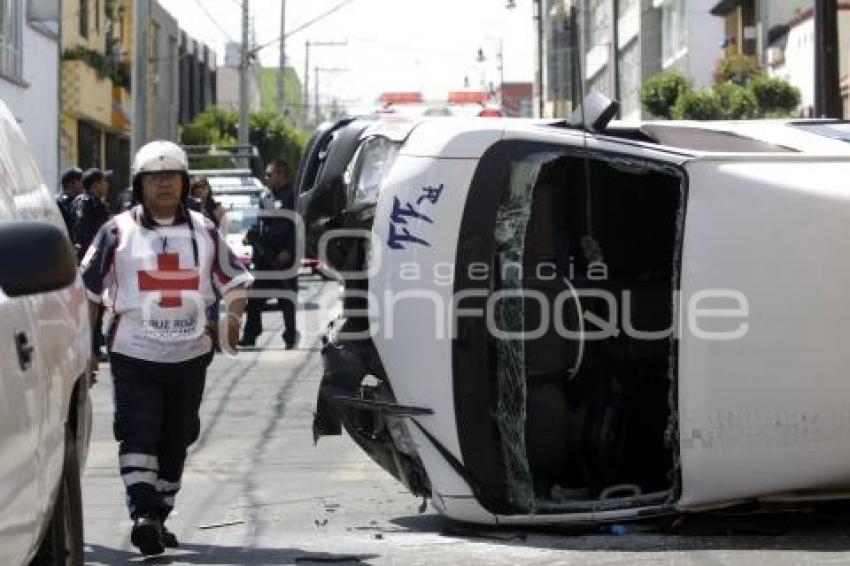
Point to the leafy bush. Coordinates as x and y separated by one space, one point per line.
268 131
215 125
660 92
698 105
775 97
737 69
736 102
276 139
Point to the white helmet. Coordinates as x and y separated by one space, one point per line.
159 156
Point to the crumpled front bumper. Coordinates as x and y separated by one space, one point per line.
355 394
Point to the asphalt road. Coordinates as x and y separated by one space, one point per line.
257 491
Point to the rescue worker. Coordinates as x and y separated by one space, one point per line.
90 208
160 265
72 186
273 240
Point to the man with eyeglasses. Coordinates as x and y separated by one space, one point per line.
273 240
159 267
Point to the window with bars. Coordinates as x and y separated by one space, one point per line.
11 43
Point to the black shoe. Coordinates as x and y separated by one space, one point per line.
248 341
290 342
147 535
169 539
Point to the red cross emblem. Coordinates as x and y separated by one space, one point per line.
170 280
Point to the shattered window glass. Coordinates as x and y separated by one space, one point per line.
511 224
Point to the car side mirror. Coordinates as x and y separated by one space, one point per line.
594 112
35 257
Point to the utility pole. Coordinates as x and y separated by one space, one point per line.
306 111
316 94
281 76
538 16
316 71
307 45
615 51
139 83
827 84
244 67
501 74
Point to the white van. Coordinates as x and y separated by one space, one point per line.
561 322
45 344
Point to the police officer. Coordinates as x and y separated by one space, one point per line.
72 186
90 208
273 240
161 265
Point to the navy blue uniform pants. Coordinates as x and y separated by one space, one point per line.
156 420
288 289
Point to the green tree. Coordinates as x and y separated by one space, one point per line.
775 98
268 131
741 91
736 102
276 139
737 69
660 92
698 105
212 126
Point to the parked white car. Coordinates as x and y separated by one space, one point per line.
554 323
45 412
241 207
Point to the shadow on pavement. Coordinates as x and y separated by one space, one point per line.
805 531
214 554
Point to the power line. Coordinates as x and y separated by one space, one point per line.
214 21
306 24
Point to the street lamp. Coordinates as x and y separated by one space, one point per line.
500 58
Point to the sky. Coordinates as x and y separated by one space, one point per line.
391 45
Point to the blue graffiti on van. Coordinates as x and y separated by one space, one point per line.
401 213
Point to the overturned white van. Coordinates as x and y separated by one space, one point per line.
552 324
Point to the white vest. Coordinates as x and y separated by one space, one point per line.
161 289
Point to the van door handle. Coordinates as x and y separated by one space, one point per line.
25 350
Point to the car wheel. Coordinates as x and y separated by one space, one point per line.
63 541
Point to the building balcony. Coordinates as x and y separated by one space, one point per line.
85 95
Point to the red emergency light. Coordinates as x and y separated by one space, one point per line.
490 113
401 98
468 96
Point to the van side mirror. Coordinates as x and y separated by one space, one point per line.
35 257
594 112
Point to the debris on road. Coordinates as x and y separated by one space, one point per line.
222 524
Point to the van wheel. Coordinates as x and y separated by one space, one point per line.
63 541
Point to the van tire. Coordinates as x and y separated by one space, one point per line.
63 541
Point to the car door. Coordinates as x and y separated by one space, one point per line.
27 463
21 411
